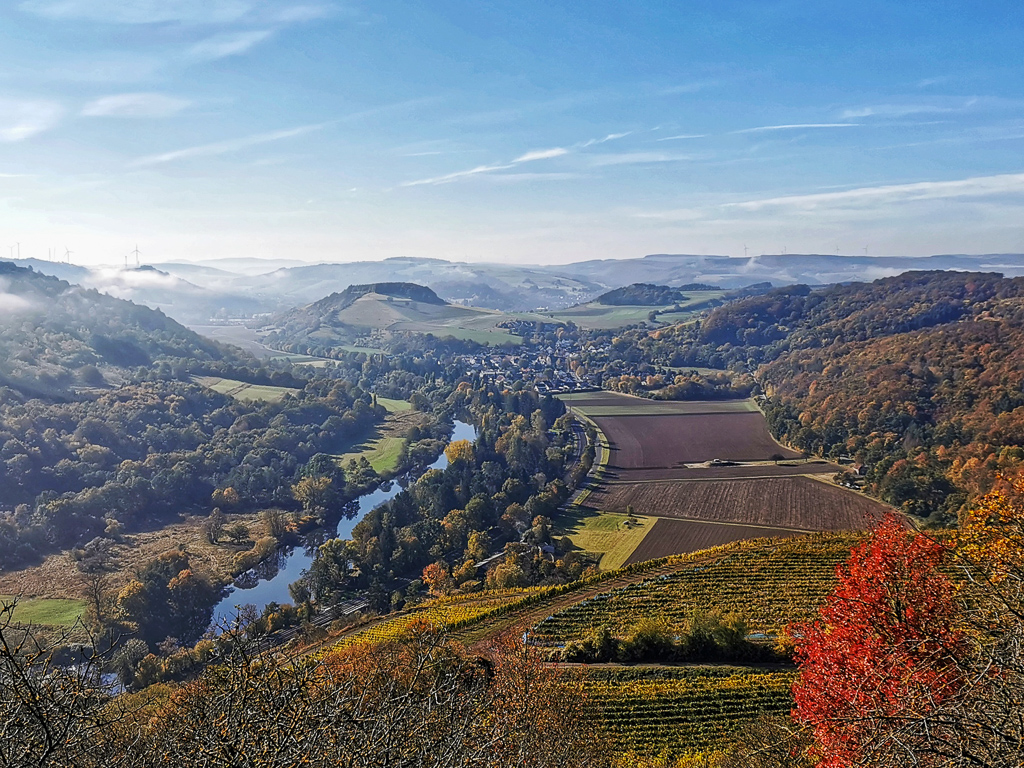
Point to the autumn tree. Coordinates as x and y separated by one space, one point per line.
459 451
906 665
438 578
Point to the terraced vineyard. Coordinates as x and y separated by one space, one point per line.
683 709
444 613
770 584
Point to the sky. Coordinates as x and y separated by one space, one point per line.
516 132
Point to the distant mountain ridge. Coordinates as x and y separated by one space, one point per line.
225 288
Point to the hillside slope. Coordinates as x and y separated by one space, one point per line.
58 337
919 377
378 311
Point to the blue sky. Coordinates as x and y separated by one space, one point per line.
535 132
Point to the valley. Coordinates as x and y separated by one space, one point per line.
650 504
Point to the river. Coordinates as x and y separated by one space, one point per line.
268 582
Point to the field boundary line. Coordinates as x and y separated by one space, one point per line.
733 523
715 479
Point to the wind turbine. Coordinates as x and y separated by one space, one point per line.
744 250
136 254
12 250
67 254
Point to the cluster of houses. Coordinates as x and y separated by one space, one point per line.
550 367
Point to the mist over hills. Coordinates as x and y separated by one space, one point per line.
220 289
59 337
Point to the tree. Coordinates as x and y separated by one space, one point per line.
421 700
886 656
459 451
213 527
238 532
316 495
438 579
274 523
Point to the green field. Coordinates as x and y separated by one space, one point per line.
594 316
50 612
442 320
381 452
394 406
606 534
244 391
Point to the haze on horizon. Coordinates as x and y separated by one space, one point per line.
529 132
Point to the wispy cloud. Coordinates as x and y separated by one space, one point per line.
142 11
450 177
794 127
860 200
225 147
300 13
514 178
692 87
135 105
892 110
541 154
684 136
609 137
227 44
634 158
978 186
20 120
528 157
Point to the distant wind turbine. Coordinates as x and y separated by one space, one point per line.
67 254
744 250
136 253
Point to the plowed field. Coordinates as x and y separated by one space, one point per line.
676 537
666 441
783 502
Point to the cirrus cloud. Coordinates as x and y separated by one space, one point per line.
228 44
20 119
142 11
135 105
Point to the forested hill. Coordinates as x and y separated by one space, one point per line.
858 311
642 294
57 337
343 299
920 377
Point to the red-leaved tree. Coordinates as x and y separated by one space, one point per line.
885 652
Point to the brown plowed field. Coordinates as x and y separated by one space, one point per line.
676 537
665 441
697 472
786 502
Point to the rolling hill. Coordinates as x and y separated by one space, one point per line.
378 311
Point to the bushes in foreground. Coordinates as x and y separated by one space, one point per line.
706 637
